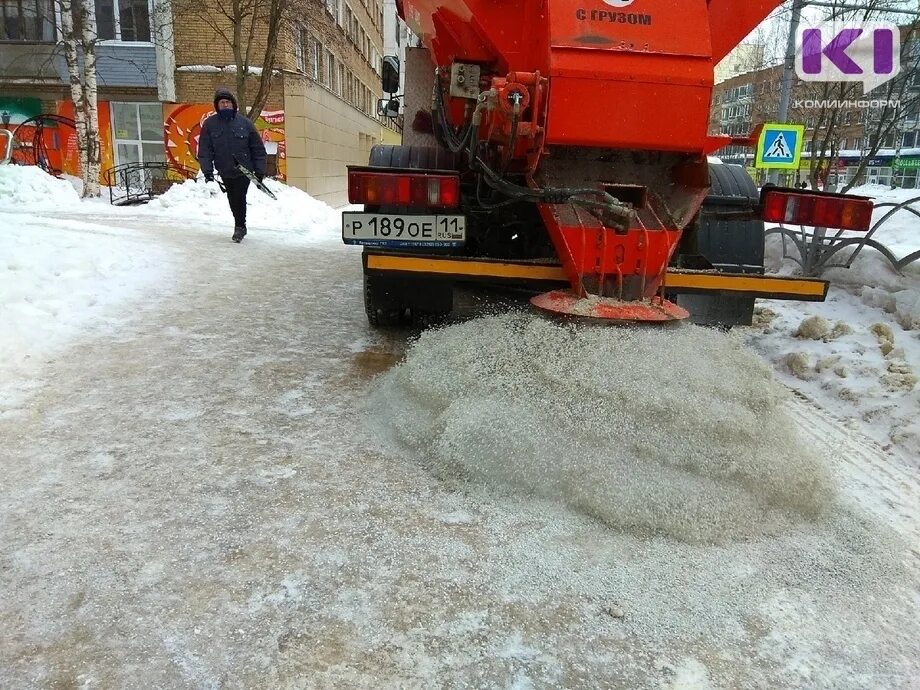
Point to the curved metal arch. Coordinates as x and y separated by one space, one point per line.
38 149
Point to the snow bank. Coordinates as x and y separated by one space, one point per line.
674 431
226 69
58 278
295 213
294 210
24 187
852 374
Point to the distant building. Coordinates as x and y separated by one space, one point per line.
745 100
746 57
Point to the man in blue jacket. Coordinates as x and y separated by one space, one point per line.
227 139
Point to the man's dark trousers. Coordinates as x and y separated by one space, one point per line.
236 194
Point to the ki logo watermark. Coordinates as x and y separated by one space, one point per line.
869 52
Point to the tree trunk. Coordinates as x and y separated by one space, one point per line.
76 84
238 55
276 12
90 101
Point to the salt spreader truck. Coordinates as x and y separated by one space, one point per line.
562 146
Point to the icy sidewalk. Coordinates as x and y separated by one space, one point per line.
61 278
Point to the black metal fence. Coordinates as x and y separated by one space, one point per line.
138 183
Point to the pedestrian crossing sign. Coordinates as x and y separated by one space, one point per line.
780 146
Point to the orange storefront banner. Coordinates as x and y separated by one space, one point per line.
182 127
66 154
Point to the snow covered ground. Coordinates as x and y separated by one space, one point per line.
60 277
858 353
63 272
204 484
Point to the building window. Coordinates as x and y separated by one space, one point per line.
340 85
908 178
300 50
138 129
26 20
330 70
908 140
123 20
317 59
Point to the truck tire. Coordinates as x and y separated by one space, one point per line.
411 157
382 308
735 246
392 302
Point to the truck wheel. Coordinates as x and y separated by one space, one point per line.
412 157
394 302
380 303
735 246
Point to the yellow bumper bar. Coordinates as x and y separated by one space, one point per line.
737 284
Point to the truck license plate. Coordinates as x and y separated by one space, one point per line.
388 230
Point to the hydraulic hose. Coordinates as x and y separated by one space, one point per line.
617 212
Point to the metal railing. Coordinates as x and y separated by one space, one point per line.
138 183
816 247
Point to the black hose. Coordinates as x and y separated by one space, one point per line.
469 138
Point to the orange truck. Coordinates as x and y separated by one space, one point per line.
562 146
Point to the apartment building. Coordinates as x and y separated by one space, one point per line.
331 87
320 115
135 76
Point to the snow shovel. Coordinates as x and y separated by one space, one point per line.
255 180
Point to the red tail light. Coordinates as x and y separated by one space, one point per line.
817 209
423 190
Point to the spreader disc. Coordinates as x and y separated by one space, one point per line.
608 308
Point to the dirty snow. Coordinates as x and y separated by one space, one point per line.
868 380
187 499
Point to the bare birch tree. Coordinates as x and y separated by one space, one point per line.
78 31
